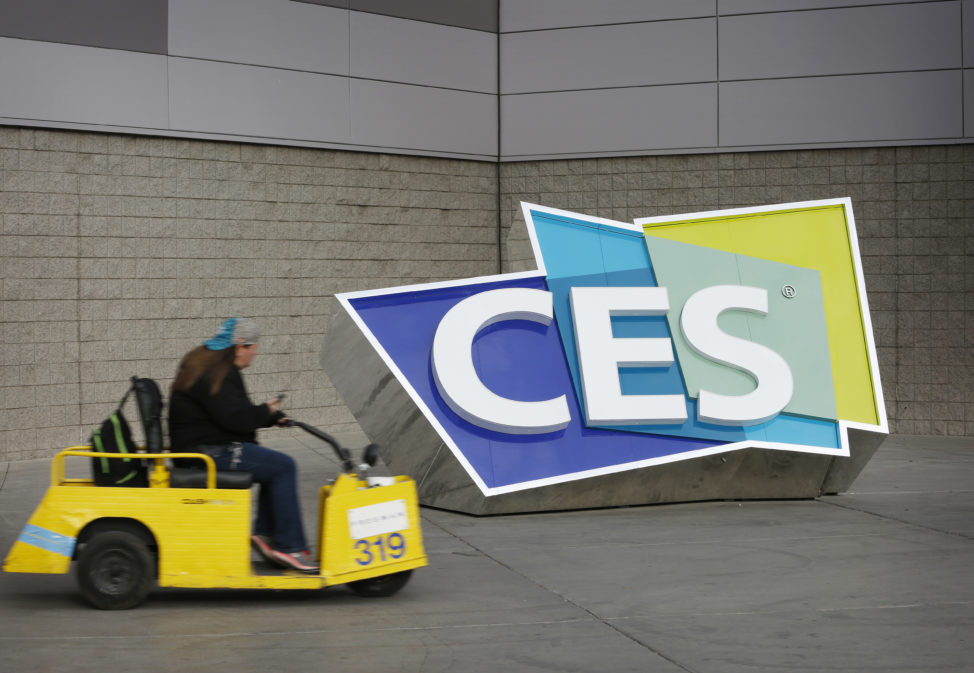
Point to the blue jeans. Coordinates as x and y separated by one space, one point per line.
278 510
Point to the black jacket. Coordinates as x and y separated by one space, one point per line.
197 418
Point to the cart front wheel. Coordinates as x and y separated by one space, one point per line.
382 586
115 571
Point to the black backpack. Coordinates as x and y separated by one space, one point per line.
115 436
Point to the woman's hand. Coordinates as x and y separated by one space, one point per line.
274 405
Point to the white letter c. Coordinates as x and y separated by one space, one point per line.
457 379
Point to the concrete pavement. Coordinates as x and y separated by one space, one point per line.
878 579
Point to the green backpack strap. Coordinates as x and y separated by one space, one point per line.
119 439
100 448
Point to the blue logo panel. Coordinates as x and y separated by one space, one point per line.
516 359
624 262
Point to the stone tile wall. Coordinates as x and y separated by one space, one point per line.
118 254
914 209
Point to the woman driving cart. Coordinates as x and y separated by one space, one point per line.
210 412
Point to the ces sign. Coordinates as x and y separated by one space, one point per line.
639 344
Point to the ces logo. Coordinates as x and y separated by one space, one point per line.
639 344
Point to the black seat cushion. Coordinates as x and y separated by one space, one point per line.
189 477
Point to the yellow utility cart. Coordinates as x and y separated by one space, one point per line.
123 540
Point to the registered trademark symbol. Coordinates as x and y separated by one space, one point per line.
789 291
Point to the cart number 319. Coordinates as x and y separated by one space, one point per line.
381 548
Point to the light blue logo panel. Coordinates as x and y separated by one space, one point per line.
621 259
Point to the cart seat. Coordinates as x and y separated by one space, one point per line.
190 477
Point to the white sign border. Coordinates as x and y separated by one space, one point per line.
636 227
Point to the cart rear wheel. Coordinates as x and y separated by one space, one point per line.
115 571
382 586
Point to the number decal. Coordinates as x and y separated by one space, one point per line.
366 557
397 545
381 548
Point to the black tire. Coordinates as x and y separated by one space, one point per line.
382 586
115 571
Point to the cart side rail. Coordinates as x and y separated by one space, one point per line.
58 471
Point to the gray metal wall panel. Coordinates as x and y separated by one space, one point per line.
343 4
475 14
668 66
113 24
968 10
544 14
638 54
843 41
727 7
969 103
261 32
861 108
392 116
399 50
613 120
83 85
211 97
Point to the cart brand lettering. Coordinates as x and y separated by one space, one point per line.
378 519
640 344
205 501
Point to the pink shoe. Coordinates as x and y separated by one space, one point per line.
298 560
262 545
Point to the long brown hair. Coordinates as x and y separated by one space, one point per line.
199 362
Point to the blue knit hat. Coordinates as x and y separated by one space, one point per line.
233 331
